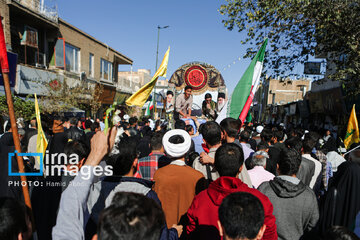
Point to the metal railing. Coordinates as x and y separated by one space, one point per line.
38 6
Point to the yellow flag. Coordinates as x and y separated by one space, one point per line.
139 98
352 132
41 142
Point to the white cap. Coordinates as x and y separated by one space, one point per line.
259 129
126 117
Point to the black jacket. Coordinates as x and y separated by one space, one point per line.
75 134
271 162
306 171
28 134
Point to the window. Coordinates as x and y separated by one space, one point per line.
106 70
59 60
91 65
72 58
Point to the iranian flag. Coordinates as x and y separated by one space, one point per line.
149 108
240 101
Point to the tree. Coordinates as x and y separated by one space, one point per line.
298 29
23 108
63 95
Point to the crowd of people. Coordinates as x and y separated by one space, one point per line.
211 181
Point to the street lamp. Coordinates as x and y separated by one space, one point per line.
157 48
157 54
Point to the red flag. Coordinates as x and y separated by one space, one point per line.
246 108
3 53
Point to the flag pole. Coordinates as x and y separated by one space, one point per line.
16 138
351 150
5 73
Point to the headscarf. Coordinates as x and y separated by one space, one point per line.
176 150
342 202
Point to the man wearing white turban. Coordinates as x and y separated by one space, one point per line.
177 184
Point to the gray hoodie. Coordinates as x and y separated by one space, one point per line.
295 206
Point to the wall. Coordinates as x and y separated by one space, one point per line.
88 45
132 81
324 84
4 11
286 91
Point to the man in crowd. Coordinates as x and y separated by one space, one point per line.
279 136
74 133
124 165
209 107
256 135
211 133
230 127
73 208
87 125
176 184
131 216
295 205
307 167
148 165
203 212
241 217
79 125
258 174
30 132
133 126
15 220
183 104
102 124
267 136
354 156
244 139
308 145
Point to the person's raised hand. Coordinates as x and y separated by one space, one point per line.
101 144
112 137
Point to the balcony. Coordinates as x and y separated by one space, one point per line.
39 7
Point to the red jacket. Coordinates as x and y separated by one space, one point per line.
203 212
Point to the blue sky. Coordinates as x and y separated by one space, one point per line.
196 32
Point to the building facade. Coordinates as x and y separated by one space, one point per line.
277 99
282 91
131 81
49 48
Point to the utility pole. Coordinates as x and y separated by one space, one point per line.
157 54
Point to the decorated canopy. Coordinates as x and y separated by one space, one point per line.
201 77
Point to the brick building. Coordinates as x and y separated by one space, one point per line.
274 93
282 91
50 48
131 81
